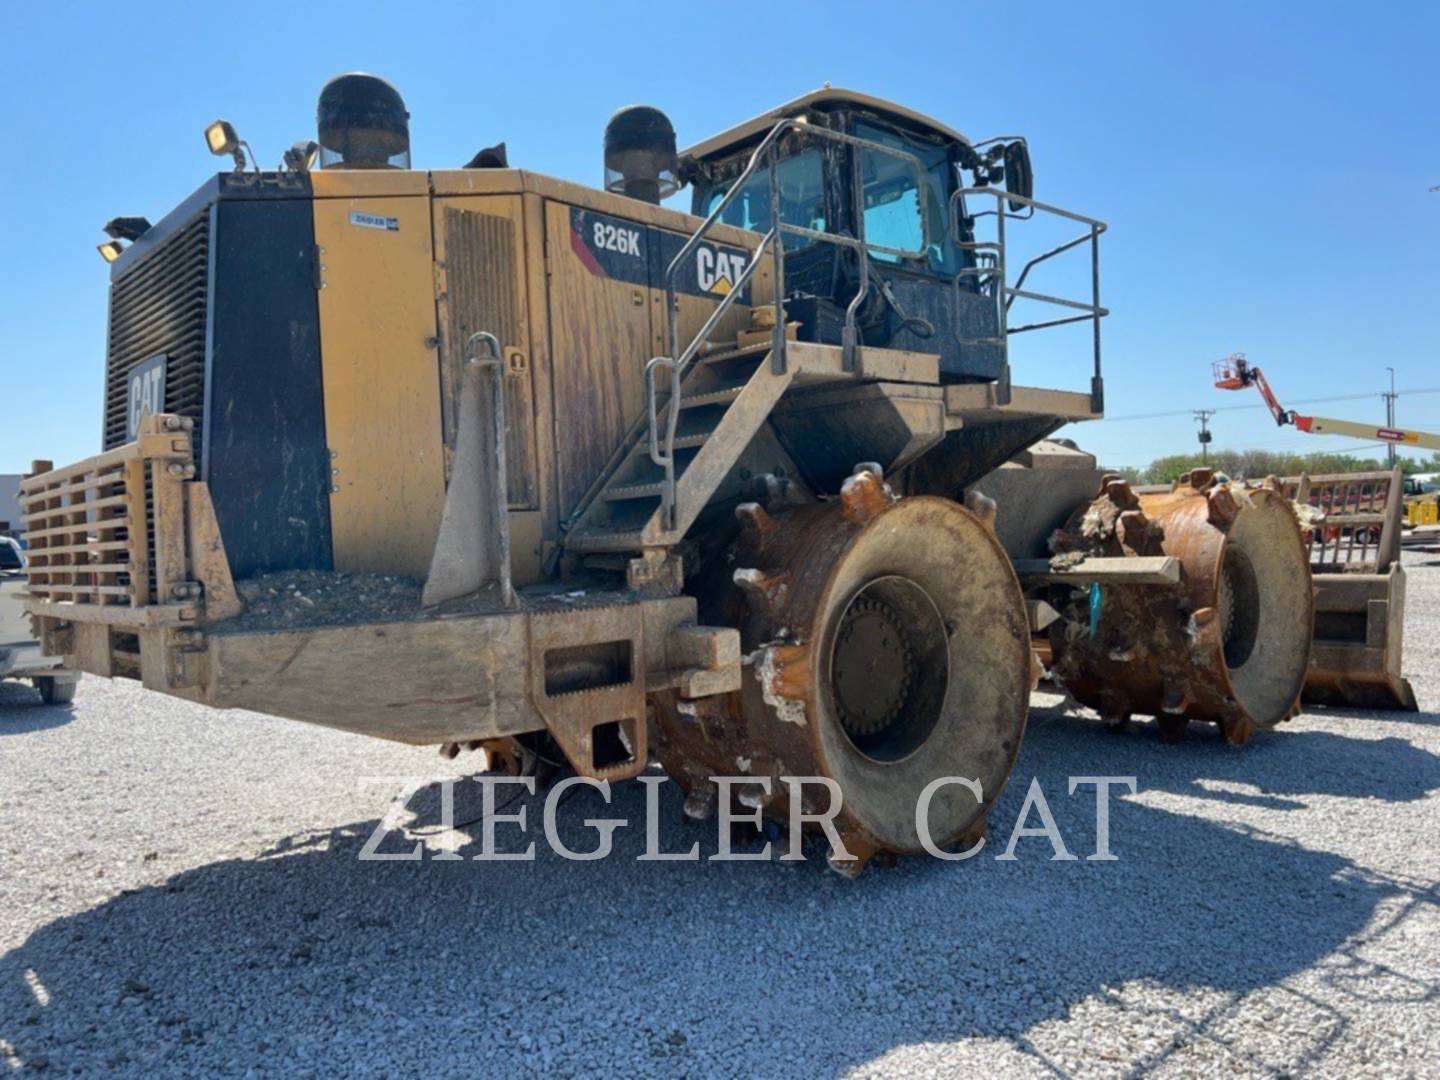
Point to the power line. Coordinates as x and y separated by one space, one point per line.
1243 408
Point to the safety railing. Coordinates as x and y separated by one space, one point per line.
109 532
990 270
767 153
1352 520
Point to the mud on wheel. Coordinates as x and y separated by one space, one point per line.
888 647
1229 644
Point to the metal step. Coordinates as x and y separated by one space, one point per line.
632 491
711 397
632 540
682 442
759 349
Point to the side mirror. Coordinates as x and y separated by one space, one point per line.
1019 179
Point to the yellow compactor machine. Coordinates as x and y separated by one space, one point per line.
481 458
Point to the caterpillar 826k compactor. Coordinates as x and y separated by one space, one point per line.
481 458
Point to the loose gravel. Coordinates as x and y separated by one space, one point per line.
180 896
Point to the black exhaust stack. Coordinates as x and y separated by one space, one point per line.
363 124
640 156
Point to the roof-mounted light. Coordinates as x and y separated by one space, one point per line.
220 137
127 228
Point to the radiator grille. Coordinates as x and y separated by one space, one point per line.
158 306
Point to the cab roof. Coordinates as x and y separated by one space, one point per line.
728 140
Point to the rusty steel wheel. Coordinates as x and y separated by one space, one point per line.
1231 644
888 647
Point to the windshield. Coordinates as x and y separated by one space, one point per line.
802 198
894 202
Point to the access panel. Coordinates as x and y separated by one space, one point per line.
382 381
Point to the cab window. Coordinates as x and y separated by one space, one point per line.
896 205
802 198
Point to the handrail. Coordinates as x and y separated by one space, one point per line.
678 362
676 366
1005 294
666 460
725 304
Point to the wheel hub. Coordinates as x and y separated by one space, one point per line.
874 667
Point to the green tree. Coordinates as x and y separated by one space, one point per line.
1258 464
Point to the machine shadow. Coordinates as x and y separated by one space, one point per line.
1376 717
1276 768
22 713
680 967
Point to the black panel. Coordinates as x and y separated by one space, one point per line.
711 271
266 458
247 186
932 298
627 251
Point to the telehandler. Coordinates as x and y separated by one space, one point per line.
485 459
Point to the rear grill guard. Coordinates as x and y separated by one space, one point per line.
160 306
127 536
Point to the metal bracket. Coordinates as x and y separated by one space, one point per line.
472 550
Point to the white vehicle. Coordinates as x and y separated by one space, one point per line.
20 656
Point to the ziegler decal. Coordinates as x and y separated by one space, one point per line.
374 221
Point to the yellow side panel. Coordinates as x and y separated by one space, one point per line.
367 183
480 248
382 382
600 331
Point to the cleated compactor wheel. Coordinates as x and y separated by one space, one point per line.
886 647
1230 644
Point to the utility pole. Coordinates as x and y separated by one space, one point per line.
1390 417
1202 417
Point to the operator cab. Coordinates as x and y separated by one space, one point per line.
916 261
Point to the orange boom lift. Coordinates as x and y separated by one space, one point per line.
1354 522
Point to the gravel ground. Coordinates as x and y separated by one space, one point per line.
180 896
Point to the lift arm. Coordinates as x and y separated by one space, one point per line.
1237 373
1324 425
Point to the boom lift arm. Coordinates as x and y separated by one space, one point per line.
1237 373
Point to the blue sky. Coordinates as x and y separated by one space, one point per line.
1265 168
